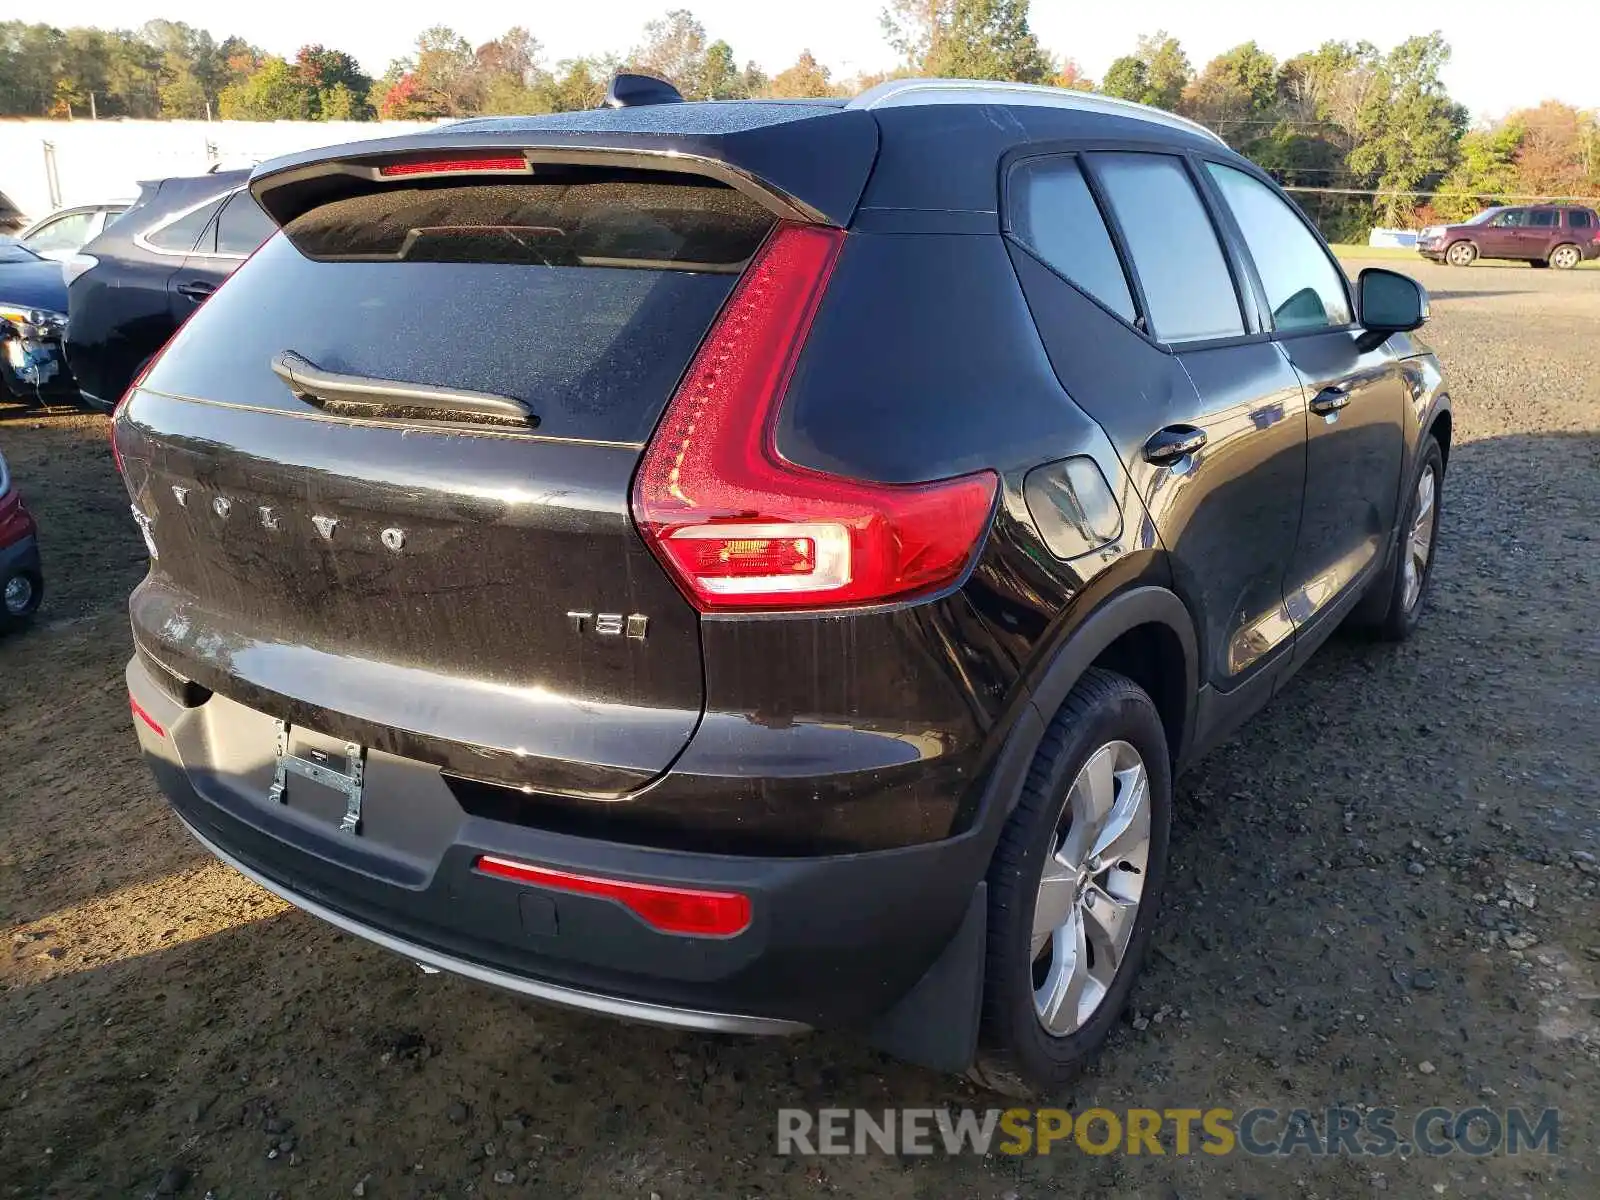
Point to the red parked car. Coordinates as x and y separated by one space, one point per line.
1542 235
21 584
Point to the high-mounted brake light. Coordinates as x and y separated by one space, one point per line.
477 164
669 909
739 527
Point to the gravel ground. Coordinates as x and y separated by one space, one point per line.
1383 892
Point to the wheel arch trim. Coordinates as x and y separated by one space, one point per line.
1439 411
1119 614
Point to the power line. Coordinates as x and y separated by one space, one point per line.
1546 197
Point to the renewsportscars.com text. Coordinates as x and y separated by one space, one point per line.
1263 1132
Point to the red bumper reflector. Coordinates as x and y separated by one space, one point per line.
139 712
669 909
446 166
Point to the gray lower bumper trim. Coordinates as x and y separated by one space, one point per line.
614 1006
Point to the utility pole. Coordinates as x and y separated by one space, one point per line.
93 115
208 109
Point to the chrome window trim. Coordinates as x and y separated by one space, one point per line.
141 239
899 93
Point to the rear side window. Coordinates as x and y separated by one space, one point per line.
1579 218
242 226
1174 247
182 234
64 233
1304 288
585 300
1543 218
1055 216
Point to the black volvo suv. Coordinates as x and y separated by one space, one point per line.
758 566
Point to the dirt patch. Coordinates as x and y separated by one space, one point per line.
1383 893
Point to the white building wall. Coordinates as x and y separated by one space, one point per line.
105 160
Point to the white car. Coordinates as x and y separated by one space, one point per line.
67 230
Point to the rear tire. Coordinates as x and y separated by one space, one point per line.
1461 254
1565 257
1051 999
1393 608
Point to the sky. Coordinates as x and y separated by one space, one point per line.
1499 63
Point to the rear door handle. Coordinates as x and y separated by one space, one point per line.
198 290
1329 400
1167 446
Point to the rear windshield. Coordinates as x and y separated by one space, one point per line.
584 298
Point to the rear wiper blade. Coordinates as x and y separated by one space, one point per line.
362 395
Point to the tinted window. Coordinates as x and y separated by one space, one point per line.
1054 214
1304 288
1544 218
585 304
567 221
1175 250
182 234
1579 219
64 233
242 226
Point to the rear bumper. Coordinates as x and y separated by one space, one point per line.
834 941
21 555
19 540
430 959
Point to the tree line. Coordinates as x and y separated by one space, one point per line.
1363 135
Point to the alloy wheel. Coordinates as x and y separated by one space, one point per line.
1419 539
1089 893
1461 254
1565 258
18 594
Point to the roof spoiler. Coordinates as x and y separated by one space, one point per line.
803 164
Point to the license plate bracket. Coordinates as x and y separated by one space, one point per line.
347 782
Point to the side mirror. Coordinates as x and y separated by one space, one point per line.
1390 302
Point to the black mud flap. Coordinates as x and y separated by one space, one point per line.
935 1024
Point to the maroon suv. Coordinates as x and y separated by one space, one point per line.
1543 235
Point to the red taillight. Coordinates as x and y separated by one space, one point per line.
482 164
739 527
138 711
669 909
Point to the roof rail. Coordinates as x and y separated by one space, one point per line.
896 93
